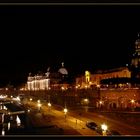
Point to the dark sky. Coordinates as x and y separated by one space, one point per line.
84 37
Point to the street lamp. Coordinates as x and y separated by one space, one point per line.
65 112
100 103
39 106
104 129
49 105
38 101
132 104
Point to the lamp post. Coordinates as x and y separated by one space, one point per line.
132 104
100 103
104 129
39 106
65 112
49 106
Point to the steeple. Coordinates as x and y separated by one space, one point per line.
62 64
48 69
135 62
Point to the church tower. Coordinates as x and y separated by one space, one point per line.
135 62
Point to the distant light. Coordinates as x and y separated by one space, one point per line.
62 88
98 86
5 107
31 99
9 125
104 127
49 104
39 105
86 86
100 102
38 101
126 65
132 101
3 132
18 99
65 110
18 121
86 100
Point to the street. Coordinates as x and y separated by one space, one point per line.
75 121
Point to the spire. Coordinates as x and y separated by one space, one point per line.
62 64
48 69
138 34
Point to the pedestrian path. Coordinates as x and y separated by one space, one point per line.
70 125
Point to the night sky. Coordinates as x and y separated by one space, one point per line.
84 38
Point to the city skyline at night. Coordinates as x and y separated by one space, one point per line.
70 70
83 38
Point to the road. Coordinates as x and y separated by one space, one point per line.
77 122
56 117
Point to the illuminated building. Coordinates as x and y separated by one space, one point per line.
135 62
87 76
48 80
95 79
38 82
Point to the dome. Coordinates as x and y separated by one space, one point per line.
63 71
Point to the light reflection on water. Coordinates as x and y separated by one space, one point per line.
3 132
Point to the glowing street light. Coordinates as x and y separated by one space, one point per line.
86 100
31 99
62 88
39 106
49 105
104 129
65 112
38 101
132 104
98 86
132 101
100 102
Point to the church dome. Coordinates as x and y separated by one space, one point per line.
63 70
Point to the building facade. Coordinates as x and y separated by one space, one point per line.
95 78
47 80
135 62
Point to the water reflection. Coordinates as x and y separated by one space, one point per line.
18 121
3 132
9 126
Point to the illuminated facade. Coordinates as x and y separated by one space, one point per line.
38 82
48 80
135 62
87 76
95 79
